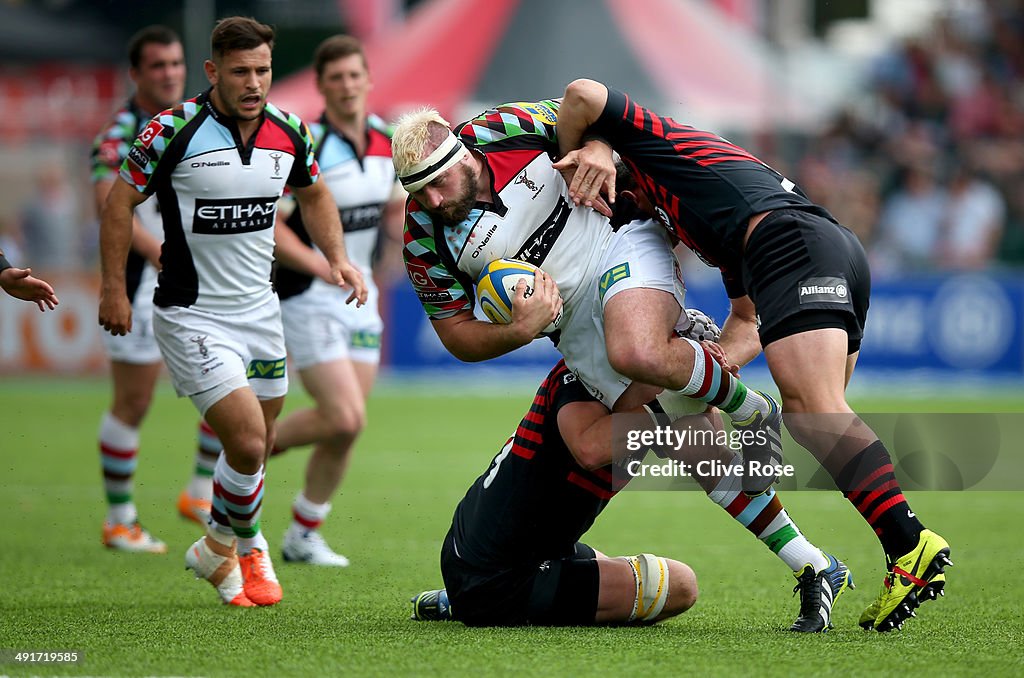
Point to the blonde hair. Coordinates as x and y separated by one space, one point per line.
416 134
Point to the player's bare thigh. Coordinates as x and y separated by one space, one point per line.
339 394
811 370
638 325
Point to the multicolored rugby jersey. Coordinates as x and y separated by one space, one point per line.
109 150
530 218
361 186
218 198
704 188
534 500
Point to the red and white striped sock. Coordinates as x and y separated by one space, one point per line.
237 501
207 452
306 515
119 449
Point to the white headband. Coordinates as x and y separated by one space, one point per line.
444 157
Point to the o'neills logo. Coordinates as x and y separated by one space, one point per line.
224 216
483 243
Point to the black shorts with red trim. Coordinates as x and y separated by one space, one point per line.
805 272
560 591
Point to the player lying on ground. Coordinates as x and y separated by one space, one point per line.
513 556
799 284
488 191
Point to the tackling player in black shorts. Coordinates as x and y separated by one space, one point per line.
799 284
513 556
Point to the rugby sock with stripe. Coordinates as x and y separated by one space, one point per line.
306 515
119 449
714 386
869 482
237 501
207 452
765 518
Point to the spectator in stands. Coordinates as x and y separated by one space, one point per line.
910 219
974 221
49 221
953 99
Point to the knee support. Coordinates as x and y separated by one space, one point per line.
651 576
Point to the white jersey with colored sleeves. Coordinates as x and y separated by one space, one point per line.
531 217
109 149
218 199
361 187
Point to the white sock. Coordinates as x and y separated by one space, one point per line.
311 513
250 543
119 436
125 514
799 552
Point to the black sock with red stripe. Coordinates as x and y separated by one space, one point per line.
869 483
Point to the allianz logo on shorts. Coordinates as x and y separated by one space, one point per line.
828 289
228 216
266 369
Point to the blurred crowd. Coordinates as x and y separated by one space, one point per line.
927 165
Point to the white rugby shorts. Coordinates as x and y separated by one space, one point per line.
138 347
638 256
319 327
203 350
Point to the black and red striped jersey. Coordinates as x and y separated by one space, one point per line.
704 188
534 500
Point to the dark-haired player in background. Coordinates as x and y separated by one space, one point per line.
157 69
799 284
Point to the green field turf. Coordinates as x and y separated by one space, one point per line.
145 615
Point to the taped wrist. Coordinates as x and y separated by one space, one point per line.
651 576
4 264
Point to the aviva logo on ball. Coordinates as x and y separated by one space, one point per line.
496 288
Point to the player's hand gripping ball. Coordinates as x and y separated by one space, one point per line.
496 288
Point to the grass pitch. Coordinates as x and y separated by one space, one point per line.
144 615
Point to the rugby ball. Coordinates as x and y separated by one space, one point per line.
496 288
